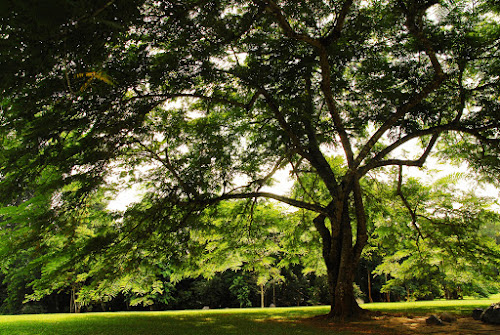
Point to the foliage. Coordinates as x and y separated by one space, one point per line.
440 244
69 256
89 265
242 291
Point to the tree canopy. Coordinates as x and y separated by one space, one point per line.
203 101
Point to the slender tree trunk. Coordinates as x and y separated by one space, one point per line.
57 304
71 301
388 293
262 302
74 306
370 299
274 294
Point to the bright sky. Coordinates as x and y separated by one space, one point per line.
284 184
128 196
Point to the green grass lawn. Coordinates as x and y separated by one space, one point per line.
275 321
220 322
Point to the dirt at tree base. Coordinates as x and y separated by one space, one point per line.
406 325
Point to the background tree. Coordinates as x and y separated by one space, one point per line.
206 94
442 246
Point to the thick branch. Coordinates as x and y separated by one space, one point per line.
324 62
276 11
361 232
376 162
332 106
411 24
403 140
476 133
284 124
430 131
494 84
439 78
292 202
326 237
339 25
317 160
402 162
435 131
252 101
396 116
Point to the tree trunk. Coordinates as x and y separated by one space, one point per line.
342 259
370 298
71 301
262 301
388 293
74 306
344 305
57 304
274 294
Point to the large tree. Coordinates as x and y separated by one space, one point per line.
211 98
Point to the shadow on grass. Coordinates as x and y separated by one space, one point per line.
459 307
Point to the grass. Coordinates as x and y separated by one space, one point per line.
276 321
223 322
